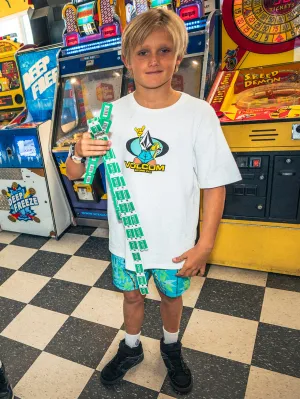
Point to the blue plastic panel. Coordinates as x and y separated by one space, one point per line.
98 61
196 43
88 214
20 148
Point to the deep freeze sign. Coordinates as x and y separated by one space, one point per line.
38 72
21 202
39 78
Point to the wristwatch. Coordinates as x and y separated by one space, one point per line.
74 157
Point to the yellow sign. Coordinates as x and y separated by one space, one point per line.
9 7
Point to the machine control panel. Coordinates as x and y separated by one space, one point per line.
248 162
254 171
269 189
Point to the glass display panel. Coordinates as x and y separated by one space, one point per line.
69 114
81 98
188 77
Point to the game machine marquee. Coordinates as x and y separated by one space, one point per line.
11 94
257 98
90 21
32 200
90 71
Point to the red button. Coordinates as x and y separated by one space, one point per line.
256 163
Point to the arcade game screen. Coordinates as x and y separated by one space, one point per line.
80 98
27 147
188 77
261 93
8 77
9 80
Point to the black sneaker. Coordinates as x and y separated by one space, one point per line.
125 359
6 391
179 373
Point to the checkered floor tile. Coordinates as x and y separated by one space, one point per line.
61 321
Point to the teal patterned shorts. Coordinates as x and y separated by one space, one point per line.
166 281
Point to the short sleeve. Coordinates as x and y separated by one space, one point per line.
214 163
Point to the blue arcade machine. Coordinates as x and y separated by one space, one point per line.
32 200
91 72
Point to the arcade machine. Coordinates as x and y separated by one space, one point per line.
257 98
11 94
91 72
31 198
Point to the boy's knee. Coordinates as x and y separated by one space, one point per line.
132 297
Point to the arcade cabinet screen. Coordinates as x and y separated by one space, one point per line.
9 79
6 116
85 14
81 98
188 77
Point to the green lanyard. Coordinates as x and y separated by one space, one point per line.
124 207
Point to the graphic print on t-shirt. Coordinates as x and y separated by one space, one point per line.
146 149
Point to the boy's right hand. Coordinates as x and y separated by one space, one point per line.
87 147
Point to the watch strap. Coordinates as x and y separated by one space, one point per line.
74 157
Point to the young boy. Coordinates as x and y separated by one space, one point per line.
169 145
5 387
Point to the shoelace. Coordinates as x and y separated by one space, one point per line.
178 364
120 356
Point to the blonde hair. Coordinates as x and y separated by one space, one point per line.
144 24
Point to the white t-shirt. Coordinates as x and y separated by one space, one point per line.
166 156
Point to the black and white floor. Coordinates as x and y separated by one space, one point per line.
61 321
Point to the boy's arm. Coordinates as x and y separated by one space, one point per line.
215 167
74 170
196 258
213 207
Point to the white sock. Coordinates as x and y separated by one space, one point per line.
170 338
132 340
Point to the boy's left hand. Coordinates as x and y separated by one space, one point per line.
195 261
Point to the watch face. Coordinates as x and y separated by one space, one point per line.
71 150
263 26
